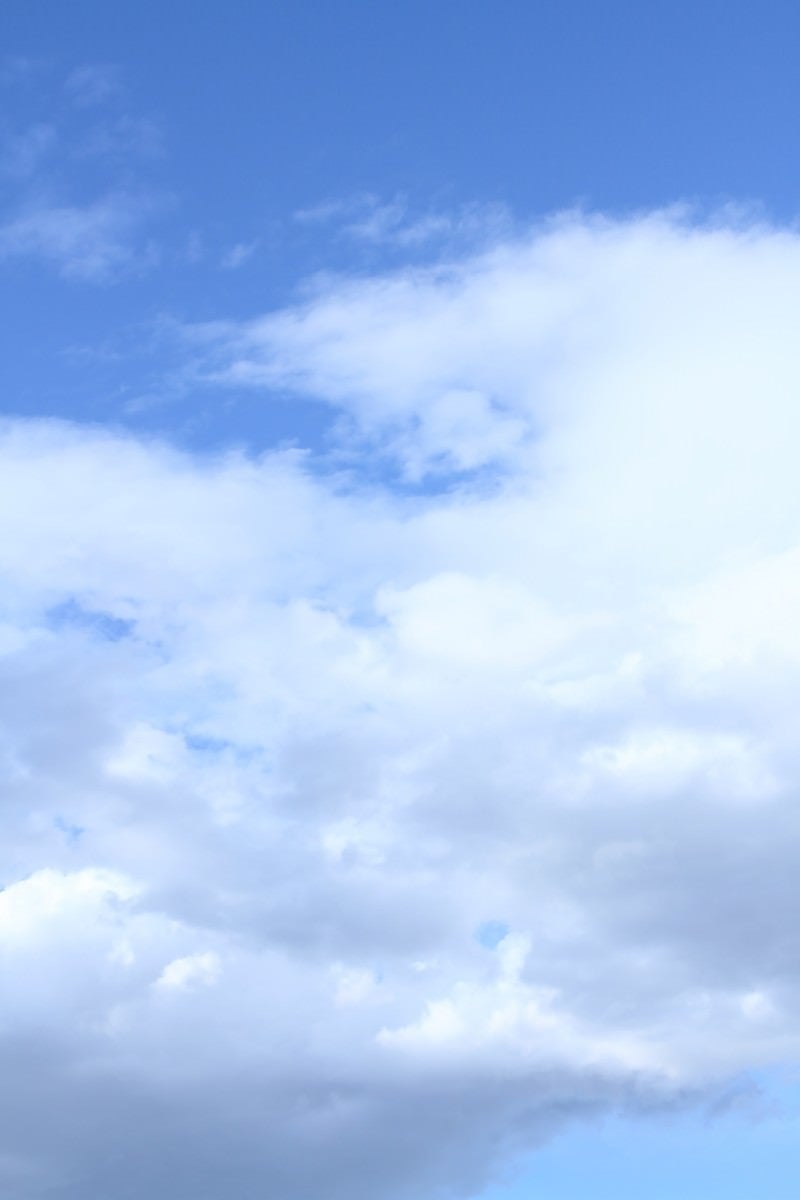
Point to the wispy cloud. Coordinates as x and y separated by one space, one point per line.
121 140
95 242
23 154
79 199
398 223
239 254
94 84
20 68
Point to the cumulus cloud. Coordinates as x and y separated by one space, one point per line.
281 745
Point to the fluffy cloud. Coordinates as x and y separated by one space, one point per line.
282 744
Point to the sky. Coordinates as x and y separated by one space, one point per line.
399 561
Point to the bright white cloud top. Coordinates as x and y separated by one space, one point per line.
358 835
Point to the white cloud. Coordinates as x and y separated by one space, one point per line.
193 970
554 334
278 745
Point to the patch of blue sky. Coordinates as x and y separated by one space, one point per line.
738 1152
214 746
206 744
105 626
491 933
71 831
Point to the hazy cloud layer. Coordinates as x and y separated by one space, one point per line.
356 838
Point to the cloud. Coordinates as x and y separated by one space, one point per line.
94 84
19 68
414 822
24 152
239 254
80 202
444 357
93 242
394 224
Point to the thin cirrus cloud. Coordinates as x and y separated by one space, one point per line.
95 242
254 841
101 234
393 224
94 84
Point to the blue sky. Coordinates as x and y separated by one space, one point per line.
400 553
